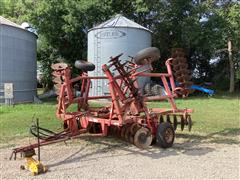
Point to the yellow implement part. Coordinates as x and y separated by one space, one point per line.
34 166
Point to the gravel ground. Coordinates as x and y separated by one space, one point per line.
101 158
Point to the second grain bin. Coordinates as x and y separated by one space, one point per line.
115 36
18 65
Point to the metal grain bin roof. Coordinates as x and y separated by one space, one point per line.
9 23
119 21
4 21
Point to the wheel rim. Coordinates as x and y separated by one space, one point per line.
142 138
169 135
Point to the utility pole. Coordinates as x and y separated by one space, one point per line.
231 66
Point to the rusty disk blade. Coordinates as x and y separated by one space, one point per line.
175 123
127 133
182 123
180 79
181 59
131 139
183 65
143 138
118 132
110 130
134 127
175 62
168 119
186 77
182 72
115 130
176 67
123 131
189 123
161 119
59 66
178 52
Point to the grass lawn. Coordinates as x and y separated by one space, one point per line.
218 115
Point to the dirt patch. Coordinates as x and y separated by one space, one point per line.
98 158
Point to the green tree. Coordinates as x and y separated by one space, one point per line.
200 27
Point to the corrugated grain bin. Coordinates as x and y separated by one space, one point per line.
115 36
17 61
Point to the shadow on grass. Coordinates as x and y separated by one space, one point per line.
190 147
226 136
50 101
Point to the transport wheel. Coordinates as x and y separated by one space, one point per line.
84 65
165 135
157 90
143 138
147 56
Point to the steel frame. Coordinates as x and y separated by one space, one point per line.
128 105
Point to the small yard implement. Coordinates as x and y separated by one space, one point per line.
127 115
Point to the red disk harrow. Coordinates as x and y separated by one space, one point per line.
127 115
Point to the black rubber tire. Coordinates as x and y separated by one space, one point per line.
162 129
151 53
84 65
147 89
157 90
